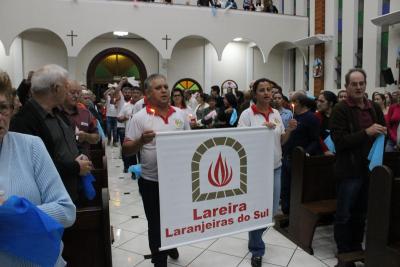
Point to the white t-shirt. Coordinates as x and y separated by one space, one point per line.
249 118
111 109
139 105
144 120
126 111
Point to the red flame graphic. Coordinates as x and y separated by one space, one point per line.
222 176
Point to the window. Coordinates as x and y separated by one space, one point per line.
188 84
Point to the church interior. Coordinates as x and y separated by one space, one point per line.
308 46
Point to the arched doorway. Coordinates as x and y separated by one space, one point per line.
110 65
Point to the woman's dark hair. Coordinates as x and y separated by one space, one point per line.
382 97
261 80
330 97
216 89
231 98
390 97
180 91
204 96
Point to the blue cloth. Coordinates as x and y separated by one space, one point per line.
233 118
29 233
87 186
376 153
329 144
136 169
286 116
213 11
100 130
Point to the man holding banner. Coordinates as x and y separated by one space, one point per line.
355 124
158 116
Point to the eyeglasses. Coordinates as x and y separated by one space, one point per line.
177 96
5 109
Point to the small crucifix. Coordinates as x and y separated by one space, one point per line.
72 35
166 39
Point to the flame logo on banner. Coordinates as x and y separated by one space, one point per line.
222 176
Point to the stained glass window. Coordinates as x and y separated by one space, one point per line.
188 84
229 86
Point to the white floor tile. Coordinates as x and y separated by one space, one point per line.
204 244
116 219
302 259
186 255
129 210
214 259
247 263
135 225
273 237
276 255
139 245
123 258
121 236
231 246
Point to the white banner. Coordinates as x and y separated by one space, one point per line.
214 183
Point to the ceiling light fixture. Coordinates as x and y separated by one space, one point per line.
238 39
119 33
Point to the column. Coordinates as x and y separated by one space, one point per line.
371 44
349 39
249 65
299 69
394 43
209 52
331 28
289 7
71 63
162 66
301 7
311 48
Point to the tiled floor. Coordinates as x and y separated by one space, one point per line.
131 241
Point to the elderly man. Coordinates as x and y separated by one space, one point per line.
81 119
140 137
41 117
355 123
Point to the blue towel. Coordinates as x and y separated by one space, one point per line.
28 233
100 130
136 169
376 153
234 117
329 143
87 186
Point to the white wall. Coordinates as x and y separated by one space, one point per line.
187 61
12 64
273 69
143 49
40 48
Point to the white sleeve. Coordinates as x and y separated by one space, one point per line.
135 128
244 120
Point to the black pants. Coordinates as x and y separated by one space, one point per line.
151 203
286 180
352 201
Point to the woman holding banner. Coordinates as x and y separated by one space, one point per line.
262 114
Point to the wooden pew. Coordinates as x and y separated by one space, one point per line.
87 243
383 230
312 199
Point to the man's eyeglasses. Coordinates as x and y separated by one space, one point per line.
177 96
5 109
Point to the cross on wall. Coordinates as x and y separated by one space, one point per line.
72 35
166 39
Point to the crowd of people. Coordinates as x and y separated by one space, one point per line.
56 119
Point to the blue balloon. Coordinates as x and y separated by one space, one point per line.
376 153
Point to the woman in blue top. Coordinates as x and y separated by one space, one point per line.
26 170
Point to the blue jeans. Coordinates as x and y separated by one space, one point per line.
352 201
112 127
256 244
